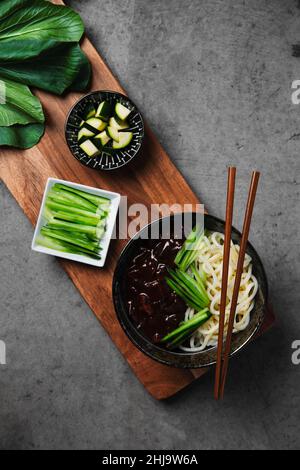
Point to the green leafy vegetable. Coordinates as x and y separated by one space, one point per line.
56 70
22 137
38 47
21 106
28 28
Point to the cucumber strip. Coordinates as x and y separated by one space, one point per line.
181 294
78 219
71 227
199 279
52 205
203 316
192 292
102 211
121 111
193 286
182 337
53 244
91 198
189 240
69 238
189 250
73 197
71 200
90 242
190 299
64 247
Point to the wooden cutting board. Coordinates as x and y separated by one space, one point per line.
152 179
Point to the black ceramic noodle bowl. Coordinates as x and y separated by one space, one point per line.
177 358
108 159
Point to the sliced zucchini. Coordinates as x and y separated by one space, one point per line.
81 123
97 124
124 139
89 112
84 132
89 148
103 138
104 111
117 124
113 133
121 111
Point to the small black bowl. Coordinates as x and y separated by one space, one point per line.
179 358
108 159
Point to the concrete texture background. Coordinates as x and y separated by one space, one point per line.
214 81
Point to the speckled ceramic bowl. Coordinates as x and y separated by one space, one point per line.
108 159
177 358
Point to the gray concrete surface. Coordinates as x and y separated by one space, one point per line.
214 81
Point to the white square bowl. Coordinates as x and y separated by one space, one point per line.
110 223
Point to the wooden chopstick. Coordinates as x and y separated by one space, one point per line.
226 255
239 271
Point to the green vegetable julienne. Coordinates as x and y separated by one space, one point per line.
71 221
185 329
189 251
38 47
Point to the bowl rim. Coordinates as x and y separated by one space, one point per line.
182 353
94 92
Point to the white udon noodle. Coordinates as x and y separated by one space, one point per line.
210 259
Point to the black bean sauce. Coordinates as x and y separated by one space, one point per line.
153 307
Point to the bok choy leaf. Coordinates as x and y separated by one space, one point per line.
20 106
30 27
38 47
56 70
22 137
